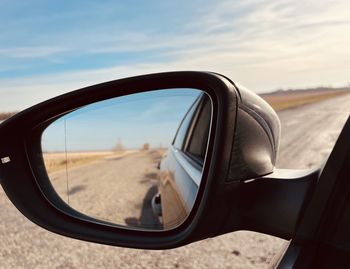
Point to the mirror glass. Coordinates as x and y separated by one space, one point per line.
135 160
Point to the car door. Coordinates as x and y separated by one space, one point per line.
181 168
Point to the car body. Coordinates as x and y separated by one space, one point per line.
181 167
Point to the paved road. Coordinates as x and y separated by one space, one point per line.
307 137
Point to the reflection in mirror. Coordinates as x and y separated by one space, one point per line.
135 160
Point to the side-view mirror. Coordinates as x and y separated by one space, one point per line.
154 161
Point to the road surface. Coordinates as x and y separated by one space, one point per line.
114 189
309 132
307 137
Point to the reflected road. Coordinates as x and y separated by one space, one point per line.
115 189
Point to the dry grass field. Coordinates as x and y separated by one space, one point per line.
58 161
291 99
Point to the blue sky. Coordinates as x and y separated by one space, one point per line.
133 120
48 48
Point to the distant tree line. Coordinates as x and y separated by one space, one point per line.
120 147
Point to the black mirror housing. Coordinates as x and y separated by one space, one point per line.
257 135
243 145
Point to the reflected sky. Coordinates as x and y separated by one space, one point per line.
131 121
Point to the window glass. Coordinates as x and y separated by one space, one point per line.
182 131
199 136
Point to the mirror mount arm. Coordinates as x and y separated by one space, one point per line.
272 204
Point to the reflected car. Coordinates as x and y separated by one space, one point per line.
182 165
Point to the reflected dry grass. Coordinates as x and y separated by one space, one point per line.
58 161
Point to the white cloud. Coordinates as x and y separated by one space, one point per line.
31 52
260 44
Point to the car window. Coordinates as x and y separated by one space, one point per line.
199 137
184 126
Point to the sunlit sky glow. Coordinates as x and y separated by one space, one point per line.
48 48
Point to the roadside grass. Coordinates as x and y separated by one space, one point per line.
295 99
